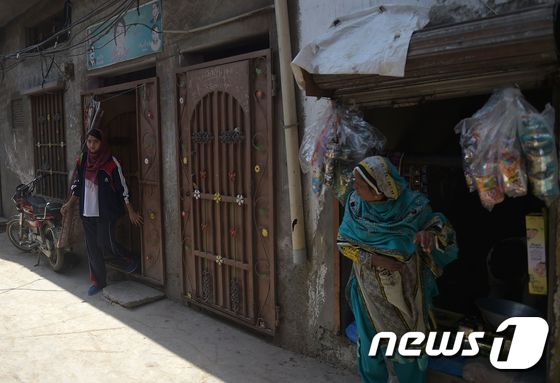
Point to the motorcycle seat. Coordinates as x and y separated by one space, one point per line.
39 204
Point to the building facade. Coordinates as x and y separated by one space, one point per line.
197 123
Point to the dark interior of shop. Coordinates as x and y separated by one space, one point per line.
119 122
421 139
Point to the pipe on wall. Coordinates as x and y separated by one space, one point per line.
291 133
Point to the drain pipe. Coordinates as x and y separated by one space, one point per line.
290 132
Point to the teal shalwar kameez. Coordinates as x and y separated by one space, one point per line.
384 300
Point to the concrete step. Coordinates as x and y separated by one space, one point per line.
131 294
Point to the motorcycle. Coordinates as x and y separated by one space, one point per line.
37 226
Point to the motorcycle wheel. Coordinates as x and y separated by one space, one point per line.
22 243
56 260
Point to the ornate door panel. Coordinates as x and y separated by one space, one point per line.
224 110
150 180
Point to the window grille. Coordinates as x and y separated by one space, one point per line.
49 144
45 29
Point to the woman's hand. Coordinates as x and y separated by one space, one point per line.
426 240
386 262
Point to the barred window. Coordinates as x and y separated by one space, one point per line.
49 144
46 28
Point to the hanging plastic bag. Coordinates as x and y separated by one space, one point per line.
536 133
334 144
315 140
492 156
357 139
511 167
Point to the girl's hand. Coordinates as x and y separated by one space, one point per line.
135 218
426 241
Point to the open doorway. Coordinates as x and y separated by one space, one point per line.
119 124
131 121
492 258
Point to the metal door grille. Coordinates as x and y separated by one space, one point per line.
227 189
49 143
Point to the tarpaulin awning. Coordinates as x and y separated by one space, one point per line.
462 59
373 41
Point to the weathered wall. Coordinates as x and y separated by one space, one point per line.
16 155
181 47
313 18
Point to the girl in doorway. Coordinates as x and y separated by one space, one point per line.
398 246
103 194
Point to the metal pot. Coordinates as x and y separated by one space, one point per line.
495 311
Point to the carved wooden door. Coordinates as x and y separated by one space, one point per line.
149 154
224 111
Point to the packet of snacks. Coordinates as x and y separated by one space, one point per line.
492 157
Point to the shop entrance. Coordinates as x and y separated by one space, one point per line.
492 244
131 121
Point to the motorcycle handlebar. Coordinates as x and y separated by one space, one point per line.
35 180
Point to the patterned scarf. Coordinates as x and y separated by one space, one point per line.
387 227
95 161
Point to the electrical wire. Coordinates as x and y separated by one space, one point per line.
99 33
108 15
34 50
87 17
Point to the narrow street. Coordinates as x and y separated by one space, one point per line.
51 331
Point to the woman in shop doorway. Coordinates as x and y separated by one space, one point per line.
399 246
103 194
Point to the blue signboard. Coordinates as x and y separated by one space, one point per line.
137 33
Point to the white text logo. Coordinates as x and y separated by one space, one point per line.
527 345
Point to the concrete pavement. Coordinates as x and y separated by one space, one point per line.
51 331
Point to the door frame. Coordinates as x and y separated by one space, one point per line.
133 86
